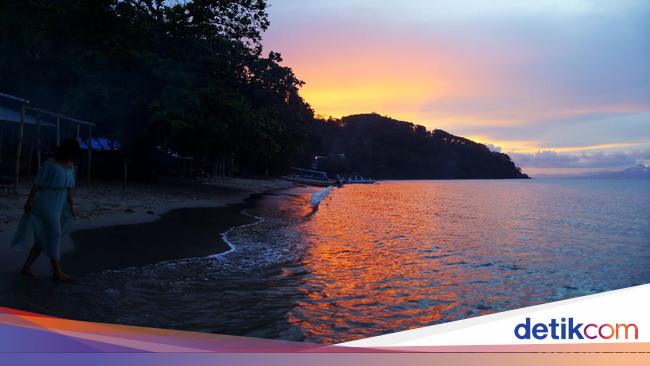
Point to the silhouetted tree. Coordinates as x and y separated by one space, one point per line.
187 75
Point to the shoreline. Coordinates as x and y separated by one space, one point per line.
108 236
224 235
177 233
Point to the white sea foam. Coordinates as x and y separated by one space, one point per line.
317 197
224 235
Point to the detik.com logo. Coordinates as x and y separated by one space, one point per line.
568 328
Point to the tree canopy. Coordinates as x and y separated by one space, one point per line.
189 76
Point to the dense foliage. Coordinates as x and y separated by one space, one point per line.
186 75
190 77
381 147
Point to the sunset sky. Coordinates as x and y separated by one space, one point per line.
562 86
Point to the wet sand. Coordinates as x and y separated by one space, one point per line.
179 233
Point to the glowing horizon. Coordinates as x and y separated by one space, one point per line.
568 77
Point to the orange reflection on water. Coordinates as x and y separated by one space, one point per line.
400 255
380 264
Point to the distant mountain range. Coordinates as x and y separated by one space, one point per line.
637 172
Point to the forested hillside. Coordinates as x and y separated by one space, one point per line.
383 147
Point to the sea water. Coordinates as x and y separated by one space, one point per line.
366 260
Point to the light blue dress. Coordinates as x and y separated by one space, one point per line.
50 217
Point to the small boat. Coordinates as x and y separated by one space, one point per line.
357 179
308 177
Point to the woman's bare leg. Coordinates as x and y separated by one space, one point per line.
27 267
57 273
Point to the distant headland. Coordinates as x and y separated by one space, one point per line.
385 148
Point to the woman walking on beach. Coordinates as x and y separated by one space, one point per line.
49 210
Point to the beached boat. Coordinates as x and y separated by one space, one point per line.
308 177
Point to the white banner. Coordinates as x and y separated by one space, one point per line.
610 317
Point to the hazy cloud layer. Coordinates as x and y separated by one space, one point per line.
596 160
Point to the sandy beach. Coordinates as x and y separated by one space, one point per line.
103 199
143 224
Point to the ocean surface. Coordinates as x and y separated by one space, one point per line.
364 260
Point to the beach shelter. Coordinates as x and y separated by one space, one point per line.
18 113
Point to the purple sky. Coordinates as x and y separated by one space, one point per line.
562 86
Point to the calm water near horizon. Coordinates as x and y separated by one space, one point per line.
375 259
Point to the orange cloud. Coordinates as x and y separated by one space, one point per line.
519 146
534 146
618 145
